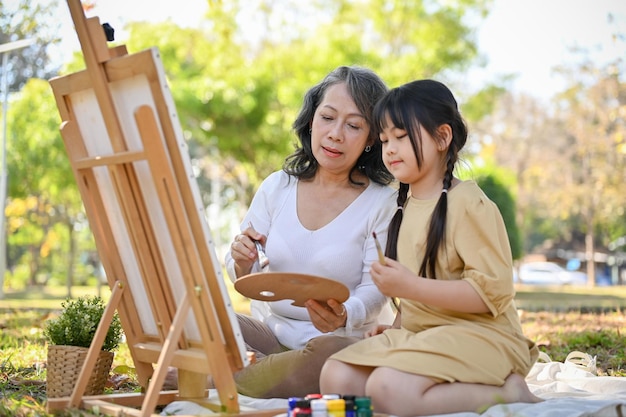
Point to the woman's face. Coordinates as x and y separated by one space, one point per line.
339 132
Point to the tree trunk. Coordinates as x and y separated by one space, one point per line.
71 257
590 255
33 264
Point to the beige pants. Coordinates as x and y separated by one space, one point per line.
280 372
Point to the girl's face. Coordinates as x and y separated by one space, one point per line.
339 132
400 160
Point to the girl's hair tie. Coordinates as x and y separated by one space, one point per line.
400 208
445 190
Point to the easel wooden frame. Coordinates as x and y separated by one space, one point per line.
123 138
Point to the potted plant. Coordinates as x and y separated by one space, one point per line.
69 336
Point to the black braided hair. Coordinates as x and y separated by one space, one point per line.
429 104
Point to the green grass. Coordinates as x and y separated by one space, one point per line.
47 298
559 320
531 298
23 355
571 298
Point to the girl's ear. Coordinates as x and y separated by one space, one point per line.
444 136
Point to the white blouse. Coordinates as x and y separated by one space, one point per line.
342 250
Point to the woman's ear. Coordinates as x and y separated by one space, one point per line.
444 136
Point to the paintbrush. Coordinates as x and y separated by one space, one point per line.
381 255
264 262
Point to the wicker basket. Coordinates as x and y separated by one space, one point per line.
64 366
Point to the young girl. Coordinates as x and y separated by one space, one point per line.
457 344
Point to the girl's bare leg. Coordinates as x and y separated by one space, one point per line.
341 378
402 394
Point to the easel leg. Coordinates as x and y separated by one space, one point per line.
96 345
165 358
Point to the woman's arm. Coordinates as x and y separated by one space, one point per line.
367 302
241 257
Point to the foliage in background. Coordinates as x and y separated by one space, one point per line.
44 211
238 90
32 21
593 113
569 163
237 93
78 322
497 191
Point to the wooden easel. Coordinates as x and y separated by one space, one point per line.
129 158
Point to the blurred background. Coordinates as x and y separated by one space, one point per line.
540 83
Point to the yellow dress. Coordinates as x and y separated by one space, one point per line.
447 345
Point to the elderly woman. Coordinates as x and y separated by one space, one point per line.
316 216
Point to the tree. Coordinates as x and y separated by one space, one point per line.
593 113
237 95
570 164
521 136
24 19
44 208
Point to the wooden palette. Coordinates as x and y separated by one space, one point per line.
274 286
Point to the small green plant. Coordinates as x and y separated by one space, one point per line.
77 324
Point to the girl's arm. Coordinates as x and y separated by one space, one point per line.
485 285
456 295
395 280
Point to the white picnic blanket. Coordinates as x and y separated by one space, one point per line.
569 390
